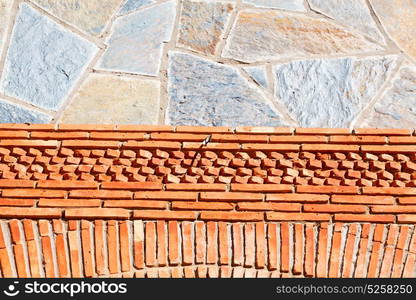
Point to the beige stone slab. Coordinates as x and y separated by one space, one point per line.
268 35
5 8
110 99
90 16
398 18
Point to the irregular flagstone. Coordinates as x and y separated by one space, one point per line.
202 24
109 99
5 7
44 60
354 13
398 18
90 16
258 73
260 36
206 93
330 92
397 108
295 5
13 113
132 5
136 43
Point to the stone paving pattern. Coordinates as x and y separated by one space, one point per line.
308 63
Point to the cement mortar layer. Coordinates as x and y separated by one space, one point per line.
309 63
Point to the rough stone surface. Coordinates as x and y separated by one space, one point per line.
12 113
258 73
44 60
354 13
90 16
397 108
132 5
330 92
398 17
108 99
5 6
136 43
259 36
202 24
210 94
295 5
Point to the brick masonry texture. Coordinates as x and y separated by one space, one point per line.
324 63
157 201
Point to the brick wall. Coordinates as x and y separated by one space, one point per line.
162 201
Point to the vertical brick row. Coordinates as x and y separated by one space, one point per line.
376 251
212 243
363 252
61 248
350 251
389 251
162 255
6 259
323 239
19 249
310 250
260 245
188 243
87 251
113 247
138 244
249 245
273 246
285 247
174 243
150 244
201 243
124 235
336 247
47 248
298 248
100 247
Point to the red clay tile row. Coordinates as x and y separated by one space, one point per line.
56 248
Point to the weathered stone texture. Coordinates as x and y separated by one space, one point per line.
353 13
12 113
330 92
260 36
258 73
202 24
397 108
44 60
108 99
210 94
295 5
398 17
136 43
5 6
90 16
132 5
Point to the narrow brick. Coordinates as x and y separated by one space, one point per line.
164 215
322 259
212 243
273 247
271 188
361 199
174 242
124 232
260 245
151 247
99 247
97 213
196 187
31 213
219 196
298 258
138 244
334 208
201 243
100 194
314 198
327 189
310 244
113 248
280 216
87 249
223 243
184 205
349 252
361 262
231 216
168 195
249 245
364 218
285 251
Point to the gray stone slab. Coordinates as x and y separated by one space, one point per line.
136 43
207 93
295 5
13 113
132 5
44 60
330 92
258 73
397 108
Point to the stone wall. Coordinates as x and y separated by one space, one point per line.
314 63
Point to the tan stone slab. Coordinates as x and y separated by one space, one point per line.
108 99
90 16
268 35
398 17
5 7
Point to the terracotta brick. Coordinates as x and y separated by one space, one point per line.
310 244
99 247
211 146
203 129
249 244
356 139
165 195
334 208
138 244
298 248
32 213
273 247
102 194
113 247
165 215
200 243
276 188
349 251
223 243
330 147
151 246
237 196
271 147
124 232
322 131
180 205
285 251
268 206
334 265
322 259
278 216
389 190
131 185
371 131
311 198
239 138
364 218
406 218
33 193
327 189
132 204
86 242
212 244
360 199
6 264
231 216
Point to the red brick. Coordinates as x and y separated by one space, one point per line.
66 184
222 196
138 244
231 216
97 213
314 198
12 183
393 209
200 244
310 245
68 203
322 131
260 245
330 147
101 194
31 213
212 244
406 219
249 244
377 131
268 206
124 229
272 246
334 266
135 204
277 188
278 216
17 202
223 243
201 205
166 195
238 245
298 258
334 208
364 218
33 193
389 148
131 185
29 143
361 199
327 189
119 136
86 249
150 231
354 139
203 129
152 145
165 215
285 251
196 187
99 247
271 147
389 190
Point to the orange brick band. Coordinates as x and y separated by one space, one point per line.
163 201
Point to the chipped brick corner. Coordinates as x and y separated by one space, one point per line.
164 201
